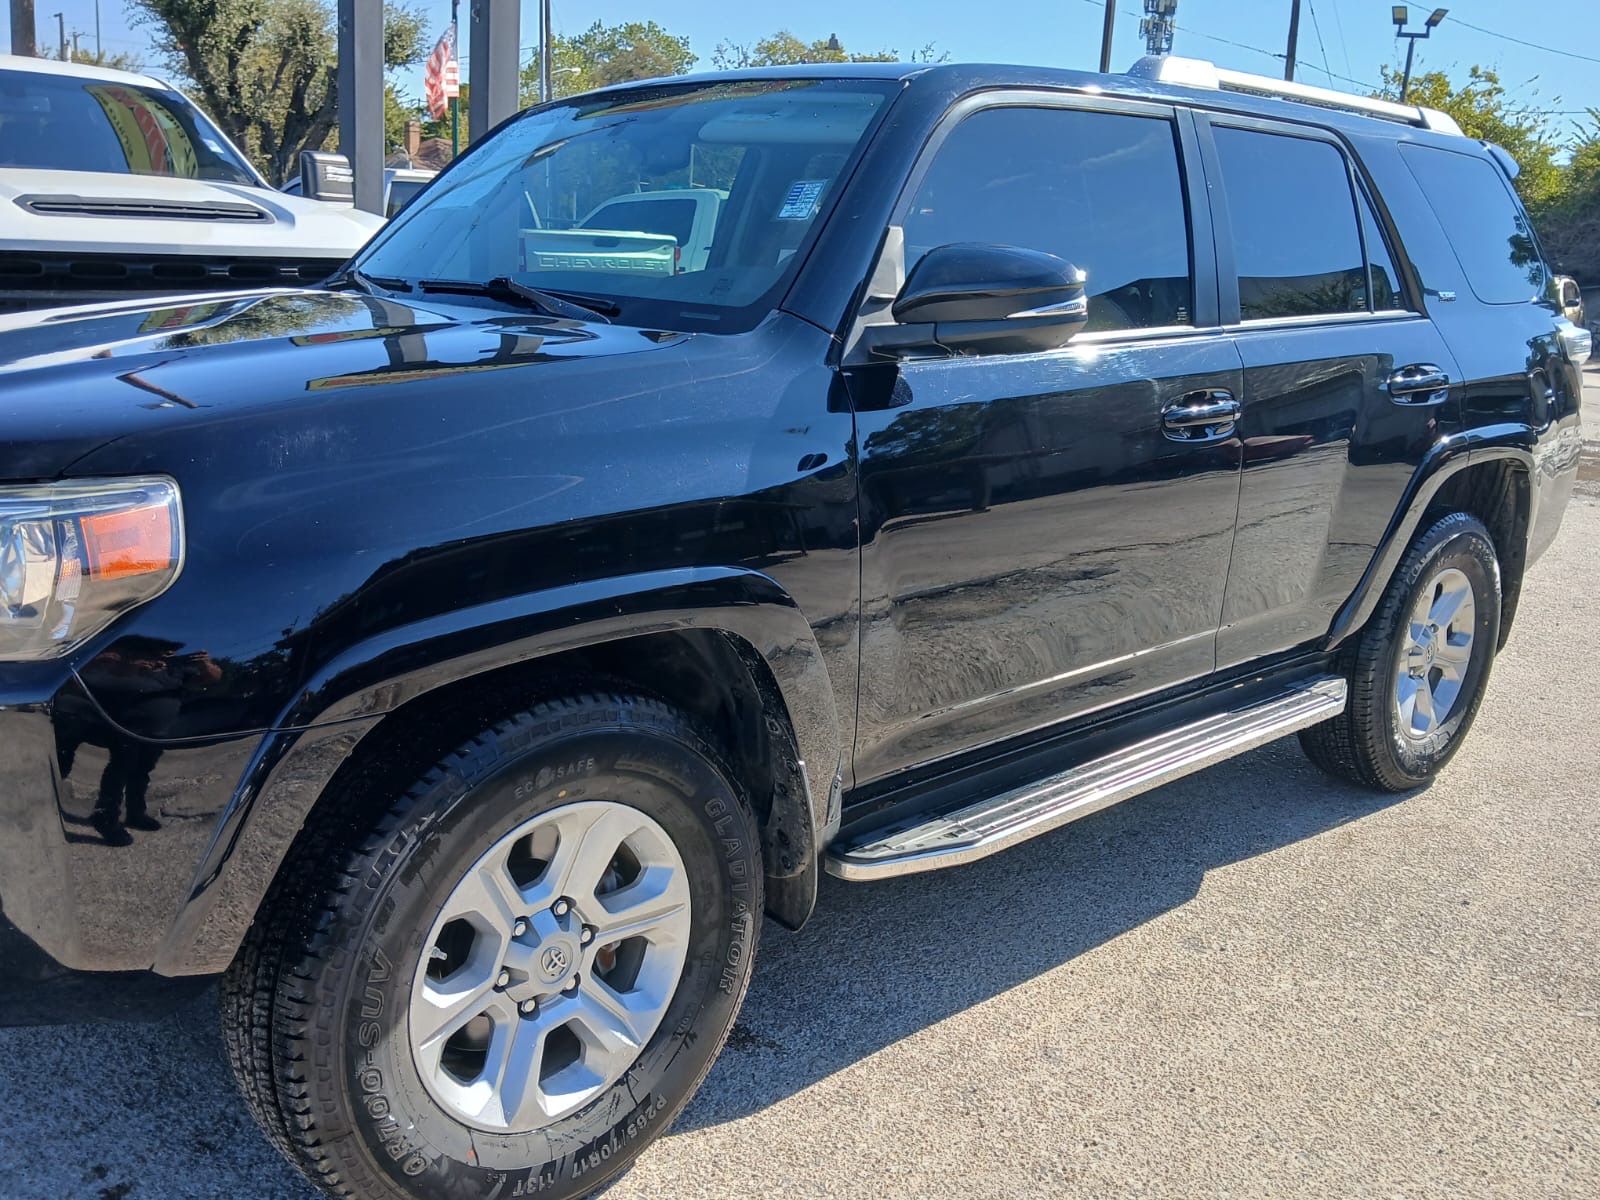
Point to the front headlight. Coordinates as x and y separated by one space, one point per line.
75 556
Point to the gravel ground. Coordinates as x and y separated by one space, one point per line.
1252 983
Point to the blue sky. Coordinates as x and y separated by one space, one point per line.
1340 40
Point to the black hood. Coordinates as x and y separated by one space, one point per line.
74 379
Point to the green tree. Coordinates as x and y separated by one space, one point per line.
1570 225
1483 110
116 61
266 69
784 49
605 54
397 110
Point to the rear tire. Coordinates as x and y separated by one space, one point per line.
391 908
1417 672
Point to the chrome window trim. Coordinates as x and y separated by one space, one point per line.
1387 314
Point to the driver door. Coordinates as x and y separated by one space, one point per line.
1043 534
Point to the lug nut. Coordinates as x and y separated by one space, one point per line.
572 985
520 928
528 1007
560 908
504 981
586 936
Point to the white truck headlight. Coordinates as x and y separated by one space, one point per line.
76 555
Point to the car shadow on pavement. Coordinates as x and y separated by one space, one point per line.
134 1110
879 962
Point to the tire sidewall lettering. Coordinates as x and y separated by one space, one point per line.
405 1134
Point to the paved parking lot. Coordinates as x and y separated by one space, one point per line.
1253 983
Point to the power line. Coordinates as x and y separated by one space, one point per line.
1534 45
1344 46
1211 37
1316 25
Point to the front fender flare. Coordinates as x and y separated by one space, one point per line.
349 696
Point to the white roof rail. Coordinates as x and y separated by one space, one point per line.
1199 73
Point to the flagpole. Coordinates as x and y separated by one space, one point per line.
455 104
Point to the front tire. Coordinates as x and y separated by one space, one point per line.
1417 673
515 975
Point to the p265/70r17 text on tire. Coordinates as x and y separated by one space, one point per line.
439 1001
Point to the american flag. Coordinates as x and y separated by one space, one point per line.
439 76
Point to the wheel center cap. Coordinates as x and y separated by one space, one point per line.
544 959
553 963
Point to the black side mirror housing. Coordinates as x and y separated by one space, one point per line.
982 298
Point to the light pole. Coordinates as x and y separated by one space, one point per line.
1400 15
61 28
455 101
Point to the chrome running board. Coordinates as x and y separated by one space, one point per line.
982 828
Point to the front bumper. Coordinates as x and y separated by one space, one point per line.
100 837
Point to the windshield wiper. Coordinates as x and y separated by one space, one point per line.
369 284
597 304
503 287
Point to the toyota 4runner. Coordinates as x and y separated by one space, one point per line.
458 660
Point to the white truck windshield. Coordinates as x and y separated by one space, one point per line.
61 123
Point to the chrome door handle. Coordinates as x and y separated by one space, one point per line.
1205 416
1419 383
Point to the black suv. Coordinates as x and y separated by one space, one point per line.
458 660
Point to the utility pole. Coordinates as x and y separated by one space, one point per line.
360 25
22 29
1294 41
61 26
99 50
75 36
547 78
1400 16
492 74
1105 37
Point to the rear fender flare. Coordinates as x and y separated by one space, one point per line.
1447 458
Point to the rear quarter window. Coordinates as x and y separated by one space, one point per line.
1486 226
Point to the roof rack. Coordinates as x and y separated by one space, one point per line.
1199 73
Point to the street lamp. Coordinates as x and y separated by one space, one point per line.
1400 16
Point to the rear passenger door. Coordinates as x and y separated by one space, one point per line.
1344 379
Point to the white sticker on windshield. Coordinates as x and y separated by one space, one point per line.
801 201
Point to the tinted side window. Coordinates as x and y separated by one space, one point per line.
1101 190
1295 241
1485 224
1385 277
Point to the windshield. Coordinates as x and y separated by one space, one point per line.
686 205
58 123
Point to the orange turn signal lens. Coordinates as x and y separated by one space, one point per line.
133 541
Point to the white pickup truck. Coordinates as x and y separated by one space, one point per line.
665 232
114 184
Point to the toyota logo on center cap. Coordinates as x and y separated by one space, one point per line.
554 962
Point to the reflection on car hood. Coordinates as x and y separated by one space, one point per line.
71 378
292 227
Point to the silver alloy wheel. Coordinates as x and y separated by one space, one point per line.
550 966
1435 654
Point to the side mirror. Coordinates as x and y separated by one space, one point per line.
988 299
326 176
